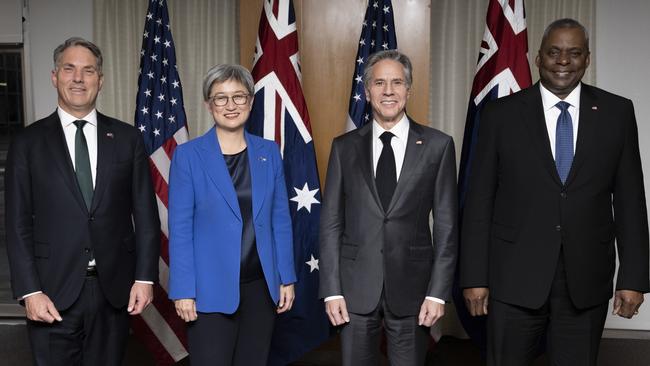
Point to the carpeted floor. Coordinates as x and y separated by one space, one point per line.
14 351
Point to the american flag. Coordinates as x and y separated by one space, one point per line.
280 114
161 118
377 33
502 69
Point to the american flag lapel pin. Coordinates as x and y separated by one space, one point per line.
109 135
418 142
594 108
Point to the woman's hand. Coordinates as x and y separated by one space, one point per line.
286 298
186 309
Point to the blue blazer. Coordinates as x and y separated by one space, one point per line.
205 223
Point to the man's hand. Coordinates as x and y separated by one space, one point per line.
627 303
186 309
40 308
337 311
141 296
287 295
476 300
430 312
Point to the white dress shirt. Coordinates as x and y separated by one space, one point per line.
551 113
398 143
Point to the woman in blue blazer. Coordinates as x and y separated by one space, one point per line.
230 249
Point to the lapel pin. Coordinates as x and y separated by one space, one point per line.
109 135
594 108
418 142
262 158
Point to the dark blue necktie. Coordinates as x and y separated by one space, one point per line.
82 163
563 141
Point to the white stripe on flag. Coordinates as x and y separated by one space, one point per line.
350 125
162 214
269 113
163 274
181 136
164 333
162 163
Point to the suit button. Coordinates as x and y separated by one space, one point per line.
558 228
563 194
91 218
86 250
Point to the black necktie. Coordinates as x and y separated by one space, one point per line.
82 164
386 175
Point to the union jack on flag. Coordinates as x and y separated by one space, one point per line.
160 116
502 69
377 33
280 114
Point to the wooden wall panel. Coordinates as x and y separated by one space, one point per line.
329 33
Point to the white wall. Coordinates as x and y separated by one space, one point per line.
47 24
623 51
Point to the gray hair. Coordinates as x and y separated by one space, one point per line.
394 55
74 42
224 72
565 23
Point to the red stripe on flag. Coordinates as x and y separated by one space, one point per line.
164 248
159 184
151 342
169 147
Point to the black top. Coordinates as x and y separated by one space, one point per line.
250 267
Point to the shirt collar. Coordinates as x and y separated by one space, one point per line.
549 100
67 119
400 130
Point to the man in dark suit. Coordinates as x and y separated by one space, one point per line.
77 182
378 261
556 179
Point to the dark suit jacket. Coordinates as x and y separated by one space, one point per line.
364 249
49 227
518 214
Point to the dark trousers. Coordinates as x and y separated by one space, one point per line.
242 338
406 341
572 334
92 333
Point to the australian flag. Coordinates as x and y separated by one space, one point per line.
502 69
377 33
280 114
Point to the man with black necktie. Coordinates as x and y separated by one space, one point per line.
556 180
380 264
81 219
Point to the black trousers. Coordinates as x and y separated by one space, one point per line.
572 334
242 338
406 341
92 333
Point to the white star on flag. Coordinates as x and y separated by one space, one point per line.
313 264
357 97
360 60
156 132
358 79
175 84
142 128
167 44
147 92
305 197
156 39
159 114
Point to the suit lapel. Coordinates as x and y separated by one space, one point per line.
260 168
533 115
215 167
60 156
364 160
585 143
105 151
414 147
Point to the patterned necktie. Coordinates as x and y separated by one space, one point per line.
563 141
386 175
82 163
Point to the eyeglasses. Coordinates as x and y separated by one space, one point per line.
222 100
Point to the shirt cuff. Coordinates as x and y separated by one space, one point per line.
30 294
434 299
145 282
335 297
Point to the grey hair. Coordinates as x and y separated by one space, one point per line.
224 72
565 23
78 41
394 55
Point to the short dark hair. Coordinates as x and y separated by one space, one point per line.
565 23
78 41
394 55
